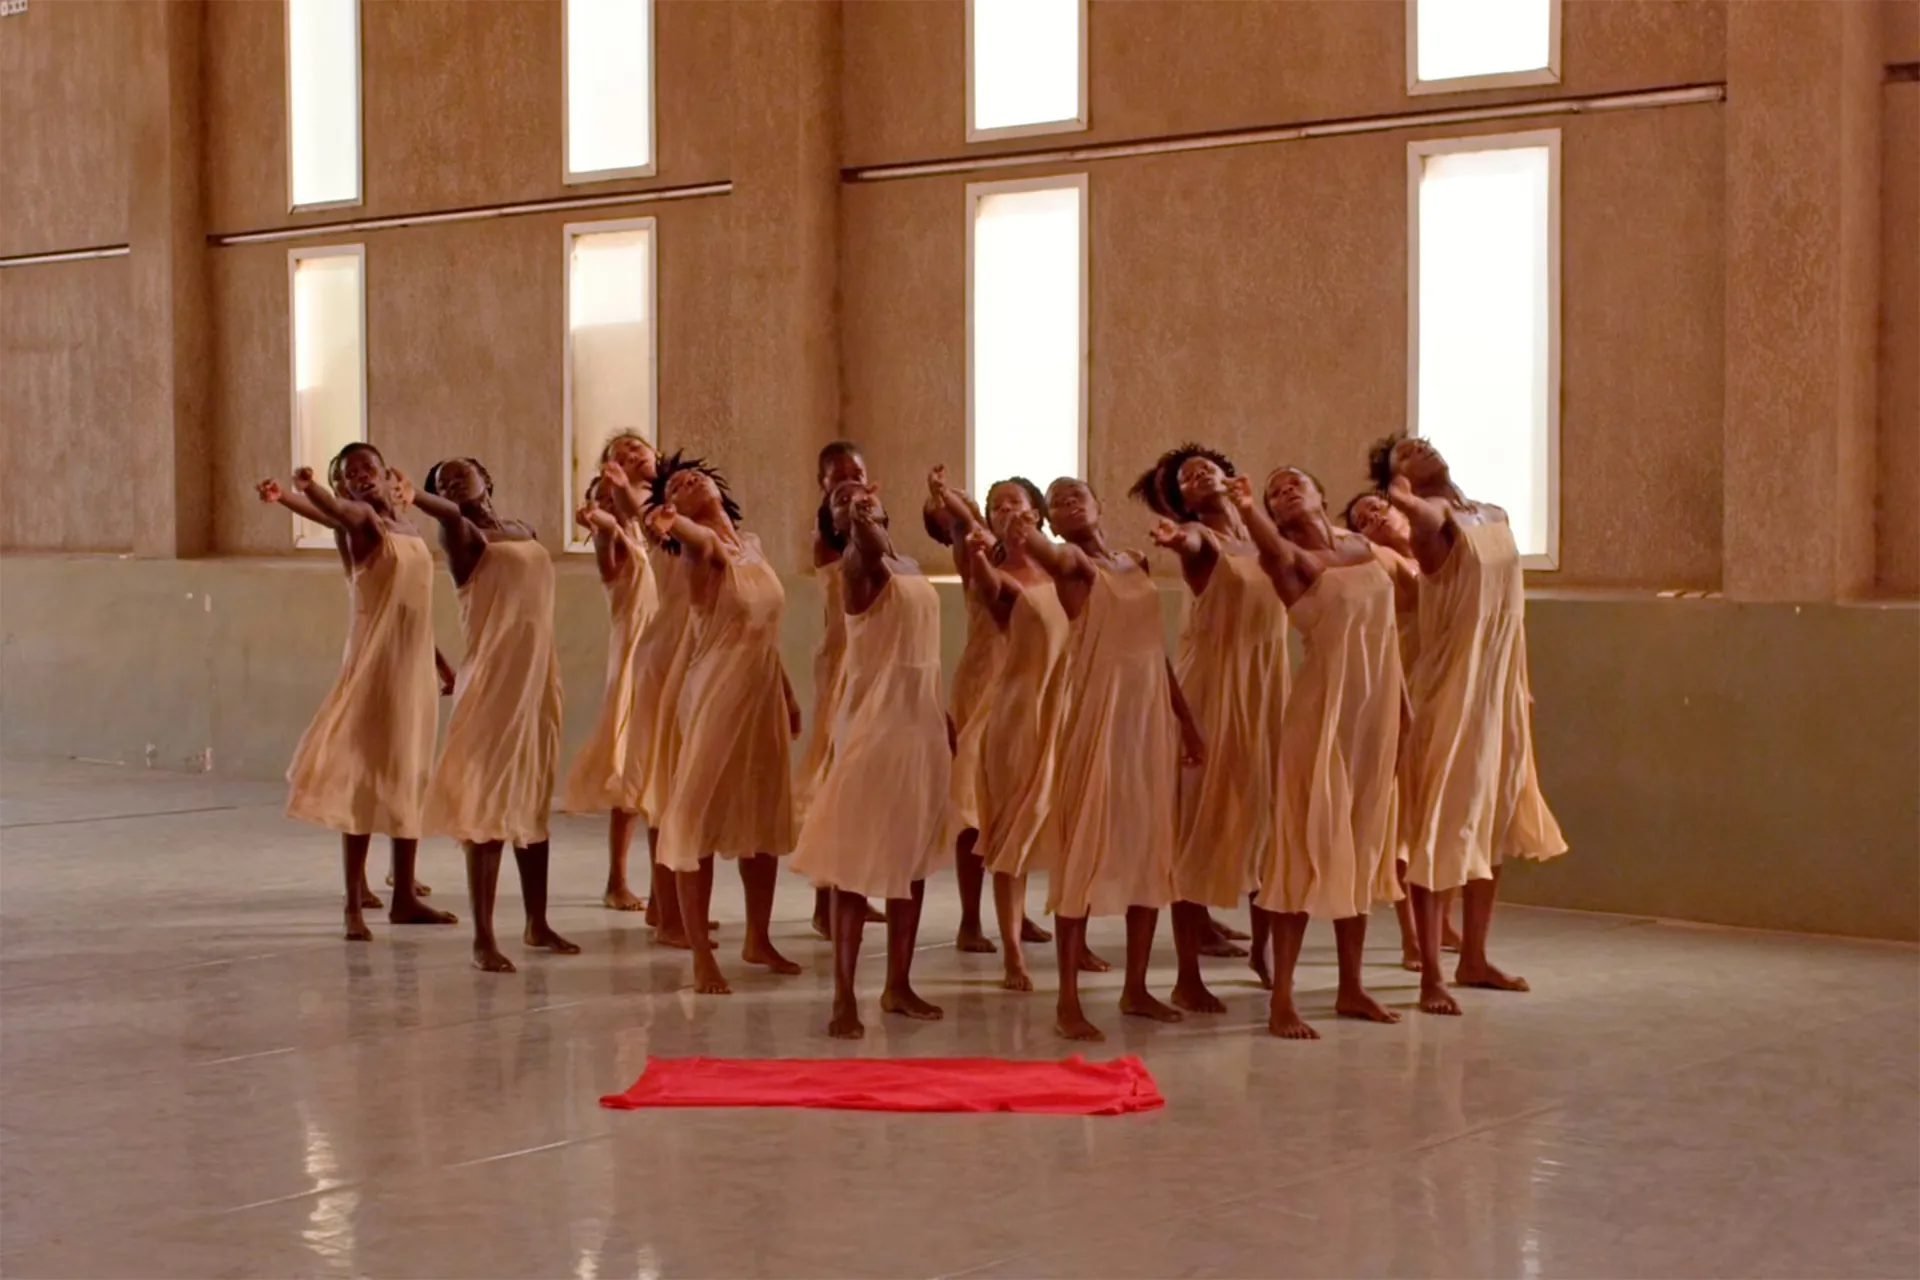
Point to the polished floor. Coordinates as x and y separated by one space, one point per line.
198 1078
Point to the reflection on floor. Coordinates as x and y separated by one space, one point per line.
200 1079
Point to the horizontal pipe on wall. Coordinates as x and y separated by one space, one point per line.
66 255
566 204
1687 96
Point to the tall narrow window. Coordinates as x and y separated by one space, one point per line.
609 89
323 103
1026 67
1453 45
1484 328
1026 330
609 385
328 289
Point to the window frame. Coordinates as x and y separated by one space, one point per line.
1077 123
1549 74
572 231
359 111
1417 152
294 258
568 176
975 192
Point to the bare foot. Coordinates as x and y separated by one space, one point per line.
845 1023
1031 932
546 939
707 978
357 930
1141 1004
669 938
875 915
974 942
1288 1026
1262 966
1195 998
420 890
487 959
1435 998
822 928
1077 1028
369 900
764 953
1017 979
653 914
622 899
1220 949
1449 937
1485 975
1358 1004
1410 961
909 1005
1091 963
418 912
1226 931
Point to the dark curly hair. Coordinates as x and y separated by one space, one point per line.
1346 512
677 462
432 484
823 521
337 468
1159 485
1380 460
834 451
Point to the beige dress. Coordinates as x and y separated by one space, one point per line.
494 780
1116 767
732 789
602 776
1407 623
659 669
878 822
974 686
1475 794
361 767
1334 856
829 662
1020 731
1232 665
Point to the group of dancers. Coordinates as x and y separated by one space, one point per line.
1395 765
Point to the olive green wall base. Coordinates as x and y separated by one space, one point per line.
1749 765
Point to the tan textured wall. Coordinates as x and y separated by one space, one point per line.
1897 502
462 106
464 355
1256 299
63 146
63 407
1175 67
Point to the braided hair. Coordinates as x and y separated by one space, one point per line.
677 462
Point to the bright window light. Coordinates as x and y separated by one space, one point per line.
610 354
1026 331
1485 340
329 363
323 102
609 88
1026 67
1474 44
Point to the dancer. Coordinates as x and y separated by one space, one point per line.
361 766
601 779
1126 732
1373 517
877 825
401 502
731 792
838 463
1476 796
1333 858
494 782
1019 725
1232 667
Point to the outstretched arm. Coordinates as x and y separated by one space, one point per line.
1277 556
1428 520
983 577
338 512
695 540
604 530
270 491
962 517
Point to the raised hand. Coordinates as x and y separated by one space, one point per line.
303 479
979 542
402 488
1400 488
270 490
937 482
660 519
1240 492
1167 535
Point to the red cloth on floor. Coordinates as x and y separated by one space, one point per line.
1075 1087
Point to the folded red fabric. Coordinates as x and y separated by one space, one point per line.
1075 1087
